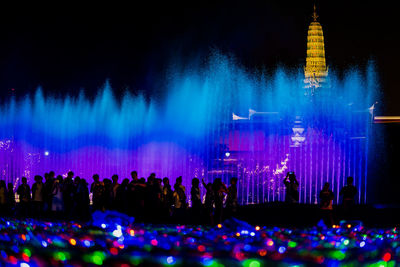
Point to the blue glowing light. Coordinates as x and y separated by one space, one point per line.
281 250
170 260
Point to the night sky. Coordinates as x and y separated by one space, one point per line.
66 48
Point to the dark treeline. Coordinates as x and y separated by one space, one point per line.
152 200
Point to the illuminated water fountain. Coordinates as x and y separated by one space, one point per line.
217 120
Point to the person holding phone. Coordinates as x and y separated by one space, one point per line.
292 188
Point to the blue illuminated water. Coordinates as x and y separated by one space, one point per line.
188 131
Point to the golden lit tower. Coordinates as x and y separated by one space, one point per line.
315 71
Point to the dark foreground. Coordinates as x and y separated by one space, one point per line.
113 239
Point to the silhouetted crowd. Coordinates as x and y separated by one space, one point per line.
154 200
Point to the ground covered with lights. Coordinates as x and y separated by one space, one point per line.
117 241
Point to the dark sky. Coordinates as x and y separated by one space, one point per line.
65 48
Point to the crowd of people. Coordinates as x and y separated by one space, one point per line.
153 200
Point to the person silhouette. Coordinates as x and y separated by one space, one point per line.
37 195
348 193
97 189
220 191
326 198
167 198
10 199
3 198
292 185
24 193
196 201
232 199
209 202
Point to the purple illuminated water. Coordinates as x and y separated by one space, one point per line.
265 123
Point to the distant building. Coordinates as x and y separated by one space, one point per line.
315 71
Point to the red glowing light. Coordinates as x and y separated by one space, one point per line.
320 259
13 260
114 251
387 256
262 252
25 257
154 242
201 248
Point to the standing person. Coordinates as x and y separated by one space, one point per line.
47 192
10 199
134 176
140 196
97 191
150 198
178 209
122 197
68 191
292 188
326 198
167 198
196 200
37 196
82 200
3 198
75 202
209 202
57 206
115 186
24 192
158 191
220 191
348 193
232 199
181 191
107 194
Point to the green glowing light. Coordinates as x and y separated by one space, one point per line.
251 263
98 257
135 260
292 244
27 252
61 256
97 260
338 255
213 263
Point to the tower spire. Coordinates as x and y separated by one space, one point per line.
315 16
315 71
